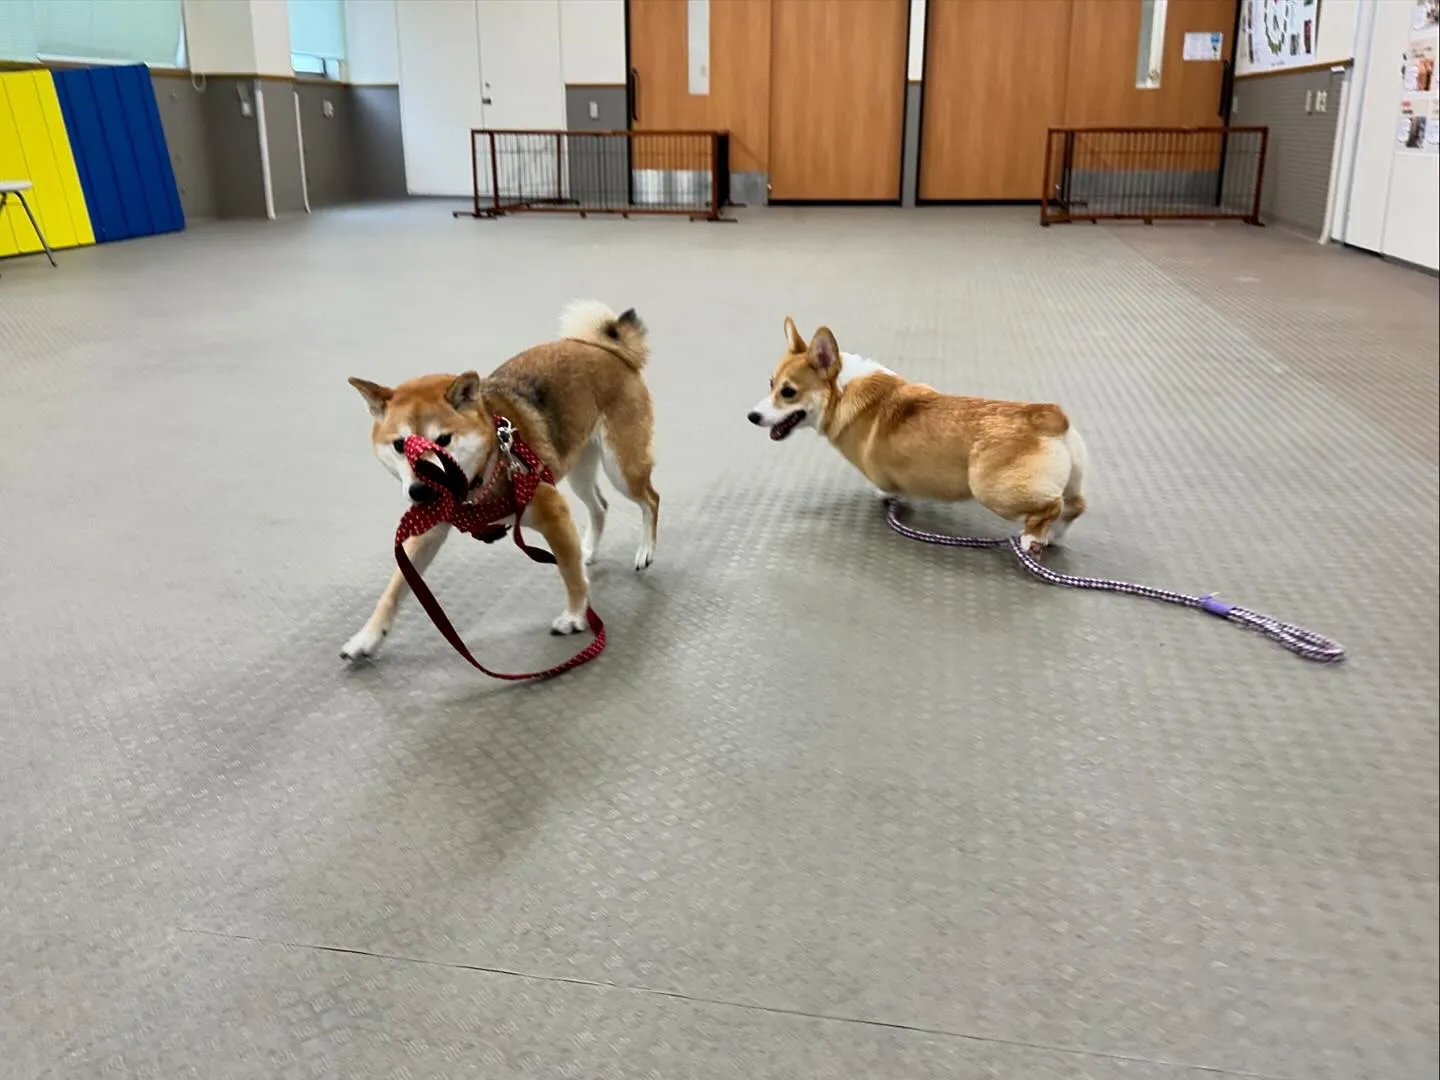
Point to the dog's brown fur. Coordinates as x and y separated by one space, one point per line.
1021 460
580 403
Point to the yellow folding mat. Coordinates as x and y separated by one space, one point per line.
34 146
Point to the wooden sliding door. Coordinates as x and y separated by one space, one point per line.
1105 94
837 98
1104 45
995 81
739 97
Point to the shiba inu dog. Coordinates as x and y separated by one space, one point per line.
579 402
1024 462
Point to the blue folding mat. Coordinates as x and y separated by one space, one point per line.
120 151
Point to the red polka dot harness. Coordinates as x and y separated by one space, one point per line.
480 514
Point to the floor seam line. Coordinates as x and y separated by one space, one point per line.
774 1010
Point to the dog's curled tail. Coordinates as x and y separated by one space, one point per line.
592 322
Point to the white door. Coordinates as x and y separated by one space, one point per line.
1412 217
1379 84
1394 202
439 94
524 90
1412 211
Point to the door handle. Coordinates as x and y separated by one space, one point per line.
1227 89
634 95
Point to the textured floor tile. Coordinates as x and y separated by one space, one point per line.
1362 321
819 768
175 1006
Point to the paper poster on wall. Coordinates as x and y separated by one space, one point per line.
1420 66
1280 33
1205 45
1418 128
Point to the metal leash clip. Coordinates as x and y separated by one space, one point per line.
505 440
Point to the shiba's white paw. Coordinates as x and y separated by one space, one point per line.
569 623
364 644
644 556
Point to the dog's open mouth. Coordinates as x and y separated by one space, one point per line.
786 426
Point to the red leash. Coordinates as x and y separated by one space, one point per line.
480 520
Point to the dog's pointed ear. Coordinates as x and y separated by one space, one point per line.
793 341
464 392
824 353
375 395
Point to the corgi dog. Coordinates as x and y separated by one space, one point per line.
1022 461
581 405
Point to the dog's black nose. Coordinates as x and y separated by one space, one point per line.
421 494
754 418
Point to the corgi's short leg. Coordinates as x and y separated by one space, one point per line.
885 496
1039 525
1074 492
1029 490
1073 508
1037 512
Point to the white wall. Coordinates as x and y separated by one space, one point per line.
270 28
372 50
219 38
238 37
1334 38
592 41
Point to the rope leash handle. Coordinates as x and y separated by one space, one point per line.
482 521
1304 643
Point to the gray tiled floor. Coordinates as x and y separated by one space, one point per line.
832 804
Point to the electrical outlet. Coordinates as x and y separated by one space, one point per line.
1322 98
594 110
1309 101
328 110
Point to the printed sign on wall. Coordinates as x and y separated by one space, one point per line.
1203 46
1280 33
1418 130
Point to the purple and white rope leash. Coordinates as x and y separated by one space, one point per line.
1305 644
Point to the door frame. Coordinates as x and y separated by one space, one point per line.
899 199
630 82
